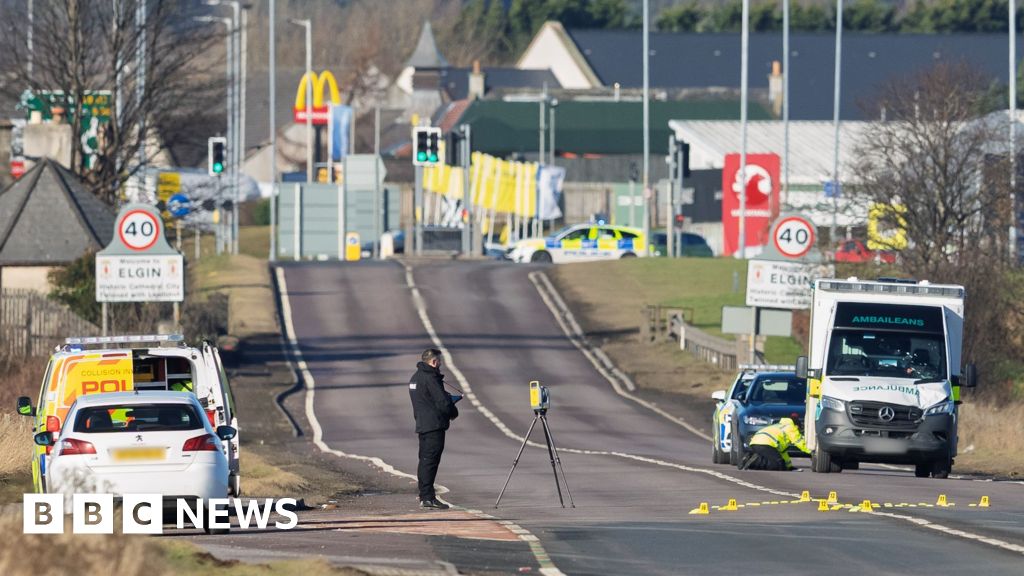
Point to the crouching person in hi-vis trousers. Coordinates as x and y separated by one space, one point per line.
434 410
769 446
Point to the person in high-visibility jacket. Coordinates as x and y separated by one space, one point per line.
769 446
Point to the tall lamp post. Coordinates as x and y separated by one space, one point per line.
273 137
1012 82
307 24
647 128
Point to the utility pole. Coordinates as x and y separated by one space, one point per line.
377 215
1013 130
273 137
540 157
785 101
140 91
741 176
218 226
835 124
309 95
467 193
30 46
647 128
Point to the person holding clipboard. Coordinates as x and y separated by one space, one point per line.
434 409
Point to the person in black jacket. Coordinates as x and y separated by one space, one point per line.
434 410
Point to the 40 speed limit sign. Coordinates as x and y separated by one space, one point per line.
793 236
138 229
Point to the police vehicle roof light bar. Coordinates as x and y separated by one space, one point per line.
767 367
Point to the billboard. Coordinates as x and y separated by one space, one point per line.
761 182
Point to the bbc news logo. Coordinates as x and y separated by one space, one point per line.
144 513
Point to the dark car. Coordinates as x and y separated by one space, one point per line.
691 245
770 397
398 238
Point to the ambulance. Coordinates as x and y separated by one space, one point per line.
94 365
884 374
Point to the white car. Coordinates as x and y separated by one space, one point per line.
139 443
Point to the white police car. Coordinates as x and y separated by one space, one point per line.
580 243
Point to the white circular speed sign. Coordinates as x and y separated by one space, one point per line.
794 237
138 230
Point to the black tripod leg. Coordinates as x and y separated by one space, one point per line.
516 461
551 438
551 454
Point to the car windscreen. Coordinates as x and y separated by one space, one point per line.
137 418
887 353
777 391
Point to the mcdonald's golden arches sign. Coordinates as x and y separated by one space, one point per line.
325 80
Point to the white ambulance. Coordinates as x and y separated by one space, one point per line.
884 374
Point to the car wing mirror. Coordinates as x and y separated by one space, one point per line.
43 439
226 432
969 378
25 406
801 367
718 395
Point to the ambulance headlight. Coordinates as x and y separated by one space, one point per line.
944 407
832 403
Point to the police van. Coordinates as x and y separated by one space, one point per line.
94 365
580 243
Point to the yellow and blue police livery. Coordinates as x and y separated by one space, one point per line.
580 243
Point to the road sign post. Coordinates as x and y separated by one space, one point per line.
138 265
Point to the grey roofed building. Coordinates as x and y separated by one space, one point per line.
680 60
455 81
47 217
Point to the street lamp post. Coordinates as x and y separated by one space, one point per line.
273 138
1012 82
307 24
835 124
647 128
741 176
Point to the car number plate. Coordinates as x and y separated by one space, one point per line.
123 454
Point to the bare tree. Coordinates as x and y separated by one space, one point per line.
81 47
938 168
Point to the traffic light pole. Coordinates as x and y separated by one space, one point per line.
417 212
467 192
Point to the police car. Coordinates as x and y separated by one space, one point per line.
768 398
728 402
580 243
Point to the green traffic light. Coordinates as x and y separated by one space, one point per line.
421 156
433 157
218 167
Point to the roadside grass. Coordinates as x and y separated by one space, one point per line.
127 555
264 479
991 436
15 444
21 378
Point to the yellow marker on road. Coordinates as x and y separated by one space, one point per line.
805 496
866 506
832 497
942 501
984 502
702 509
731 506
823 506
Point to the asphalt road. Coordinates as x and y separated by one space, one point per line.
360 332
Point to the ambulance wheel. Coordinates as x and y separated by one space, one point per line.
628 255
822 463
541 257
941 468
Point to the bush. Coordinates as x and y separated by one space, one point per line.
206 319
261 212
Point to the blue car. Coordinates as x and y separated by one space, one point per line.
769 397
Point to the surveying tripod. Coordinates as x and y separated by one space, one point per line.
556 462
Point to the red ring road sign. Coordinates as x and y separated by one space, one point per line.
793 237
138 230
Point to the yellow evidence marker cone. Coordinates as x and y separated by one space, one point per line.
865 506
984 502
942 501
823 506
805 496
832 497
702 509
731 506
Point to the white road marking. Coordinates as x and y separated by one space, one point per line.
548 567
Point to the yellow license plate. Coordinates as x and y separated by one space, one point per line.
124 454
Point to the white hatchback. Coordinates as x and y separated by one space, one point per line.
139 443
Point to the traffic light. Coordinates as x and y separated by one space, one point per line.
426 149
216 154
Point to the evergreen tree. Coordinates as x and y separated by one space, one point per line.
869 16
680 18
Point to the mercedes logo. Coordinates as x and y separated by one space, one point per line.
886 413
138 437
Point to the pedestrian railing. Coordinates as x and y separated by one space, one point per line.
712 349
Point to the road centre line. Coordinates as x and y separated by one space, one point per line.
565 319
547 566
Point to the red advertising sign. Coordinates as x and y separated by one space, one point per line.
17 168
762 190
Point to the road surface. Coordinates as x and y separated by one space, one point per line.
634 474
